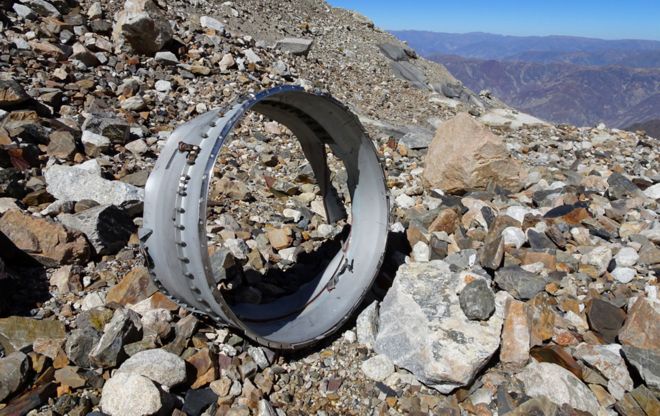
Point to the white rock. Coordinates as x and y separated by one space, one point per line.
623 274
157 365
653 192
423 329
378 368
251 56
349 336
130 395
626 257
95 11
514 236
517 213
608 361
94 143
137 147
226 62
8 203
210 23
163 86
75 183
135 103
325 230
421 252
167 57
92 300
294 214
599 257
559 386
289 254
366 325
404 201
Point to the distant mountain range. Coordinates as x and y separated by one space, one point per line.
575 80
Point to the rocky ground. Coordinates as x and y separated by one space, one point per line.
521 276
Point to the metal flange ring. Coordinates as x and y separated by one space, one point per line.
174 233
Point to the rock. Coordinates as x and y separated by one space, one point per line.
366 325
599 257
114 129
69 376
62 145
558 385
84 55
653 191
251 56
404 201
8 204
514 236
377 368
538 406
197 400
107 227
48 241
24 12
137 147
423 329
516 333
135 103
621 187
294 46
226 62
205 370
520 283
130 395
642 327
13 372
279 238
163 86
124 327
626 257
11 94
134 287
79 344
623 274
477 300
17 332
605 318
421 252
157 365
72 183
647 400
94 144
608 361
143 26
647 363
472 157
42 7
210 23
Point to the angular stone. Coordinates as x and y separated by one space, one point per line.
157 365
621 187
69 376
130 394
647 363
647 400
558 385
72 183
124 327
295 46
446 221
114 129
642 327
423 329
472 157
605 318
210 23
17 332
599 258
366 325
62 145
11 94
377 368
107 227
134 287
205 369
94 144
556 354
608 361
626 257
143 26
79 343
279 237
477 300
516 333
13 372
45 239
520 283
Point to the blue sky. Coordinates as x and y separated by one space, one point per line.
606 19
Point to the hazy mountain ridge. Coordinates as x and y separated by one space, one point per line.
561 79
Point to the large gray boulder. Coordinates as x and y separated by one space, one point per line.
158 365
130 395
423 329
13 371
76 183
143 26
107 227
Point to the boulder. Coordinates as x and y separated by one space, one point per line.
124 327
647 363
107 227
11 94
608 361
49 242
157 365
17 332
130 395
135 286
13 371
642 326
423 329
465 155
558 385
143 26
294 46
76 183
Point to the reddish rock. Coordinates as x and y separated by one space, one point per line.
642 327
516 333
134 287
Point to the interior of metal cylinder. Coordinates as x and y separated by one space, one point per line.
321 287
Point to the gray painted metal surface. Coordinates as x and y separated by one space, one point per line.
174 232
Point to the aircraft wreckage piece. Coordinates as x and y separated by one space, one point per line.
174 232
